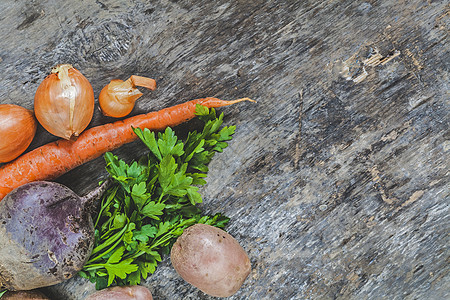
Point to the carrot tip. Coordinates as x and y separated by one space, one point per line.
241 99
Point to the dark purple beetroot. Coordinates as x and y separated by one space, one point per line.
46 234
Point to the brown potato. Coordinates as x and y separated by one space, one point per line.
211 260
23 295
135 292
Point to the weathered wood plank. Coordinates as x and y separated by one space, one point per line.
336 181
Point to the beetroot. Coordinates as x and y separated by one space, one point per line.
46 234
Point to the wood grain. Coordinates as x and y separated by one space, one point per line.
336 182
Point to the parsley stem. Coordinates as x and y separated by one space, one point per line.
162 240
108 201
135 255
161 197
92 267
108 232
115 238
104 253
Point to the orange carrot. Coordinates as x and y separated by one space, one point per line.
54 159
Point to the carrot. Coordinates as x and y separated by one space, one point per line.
54 159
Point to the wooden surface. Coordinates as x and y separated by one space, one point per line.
336 181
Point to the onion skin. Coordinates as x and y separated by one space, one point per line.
17 130
64 102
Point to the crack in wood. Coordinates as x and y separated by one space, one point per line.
299 149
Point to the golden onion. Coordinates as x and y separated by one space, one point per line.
17 130
64 102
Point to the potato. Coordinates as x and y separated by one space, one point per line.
135 292
211 260
25 295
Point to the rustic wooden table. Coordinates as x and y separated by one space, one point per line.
336 181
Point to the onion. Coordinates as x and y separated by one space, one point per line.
64 102
118 97
17 130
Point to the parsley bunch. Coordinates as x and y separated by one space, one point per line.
152 201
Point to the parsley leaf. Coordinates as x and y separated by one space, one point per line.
152 210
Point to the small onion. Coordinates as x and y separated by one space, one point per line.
17 130
64 102
118 97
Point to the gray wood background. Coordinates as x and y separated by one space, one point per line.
336 181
